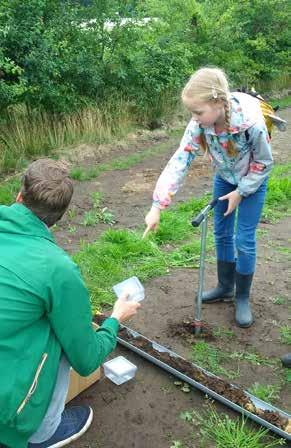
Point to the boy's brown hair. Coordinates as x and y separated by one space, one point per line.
47 189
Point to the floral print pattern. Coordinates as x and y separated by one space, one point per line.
247 169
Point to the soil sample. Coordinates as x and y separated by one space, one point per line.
222 387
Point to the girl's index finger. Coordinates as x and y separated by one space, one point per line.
146 232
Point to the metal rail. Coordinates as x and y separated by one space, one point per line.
256 401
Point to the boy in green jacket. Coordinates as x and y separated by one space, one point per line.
45 317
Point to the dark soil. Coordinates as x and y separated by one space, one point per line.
144 412
218 385
188 329
228 390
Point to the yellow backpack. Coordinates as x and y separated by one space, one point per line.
269 113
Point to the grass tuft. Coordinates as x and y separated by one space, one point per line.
266 392
285 334
210 358
228 433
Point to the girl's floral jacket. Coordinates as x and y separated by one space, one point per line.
247 169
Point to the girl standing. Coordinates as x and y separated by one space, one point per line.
230 129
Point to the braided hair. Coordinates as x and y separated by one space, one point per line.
211 85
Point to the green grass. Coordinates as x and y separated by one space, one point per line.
177 444
8 191
118 254
97 213
253 358
286 251
216 361
222 332
287 376
282 102
225 432
285 334
210 358
26 136
278 198
279 300
266 392
123 163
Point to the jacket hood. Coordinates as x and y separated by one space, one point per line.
18 219
245 112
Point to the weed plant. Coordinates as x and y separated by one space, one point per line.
97 214
279 300
210 358
253 358
228 433
285 334
266 392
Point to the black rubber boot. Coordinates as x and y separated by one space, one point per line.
225 288
286 360
243 312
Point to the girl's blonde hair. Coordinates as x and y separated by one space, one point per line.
211 85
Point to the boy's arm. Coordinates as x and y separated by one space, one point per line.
261 163
172 176
71 320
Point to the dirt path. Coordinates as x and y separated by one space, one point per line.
144 413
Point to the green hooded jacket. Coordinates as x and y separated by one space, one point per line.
44 311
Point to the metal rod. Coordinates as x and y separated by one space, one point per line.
201 276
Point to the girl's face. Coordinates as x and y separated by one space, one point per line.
207 114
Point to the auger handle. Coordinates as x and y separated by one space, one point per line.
199 218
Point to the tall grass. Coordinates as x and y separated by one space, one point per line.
281 82
25 136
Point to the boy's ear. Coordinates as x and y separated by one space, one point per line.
19 197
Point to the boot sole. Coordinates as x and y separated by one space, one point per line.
219 299
245 326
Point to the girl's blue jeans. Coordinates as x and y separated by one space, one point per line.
237 243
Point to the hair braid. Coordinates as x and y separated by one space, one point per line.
231 149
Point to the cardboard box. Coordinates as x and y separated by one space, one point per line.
79 383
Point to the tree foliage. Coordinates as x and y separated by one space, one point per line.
60 55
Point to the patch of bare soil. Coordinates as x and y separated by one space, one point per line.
144 412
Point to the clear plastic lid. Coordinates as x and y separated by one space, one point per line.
119 366
131 286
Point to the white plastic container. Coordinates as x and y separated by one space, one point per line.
119 370
131 286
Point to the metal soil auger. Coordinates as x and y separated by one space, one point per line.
202 217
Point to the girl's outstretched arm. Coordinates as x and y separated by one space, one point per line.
172 176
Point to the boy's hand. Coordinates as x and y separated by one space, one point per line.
234 198
124 309
152 220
